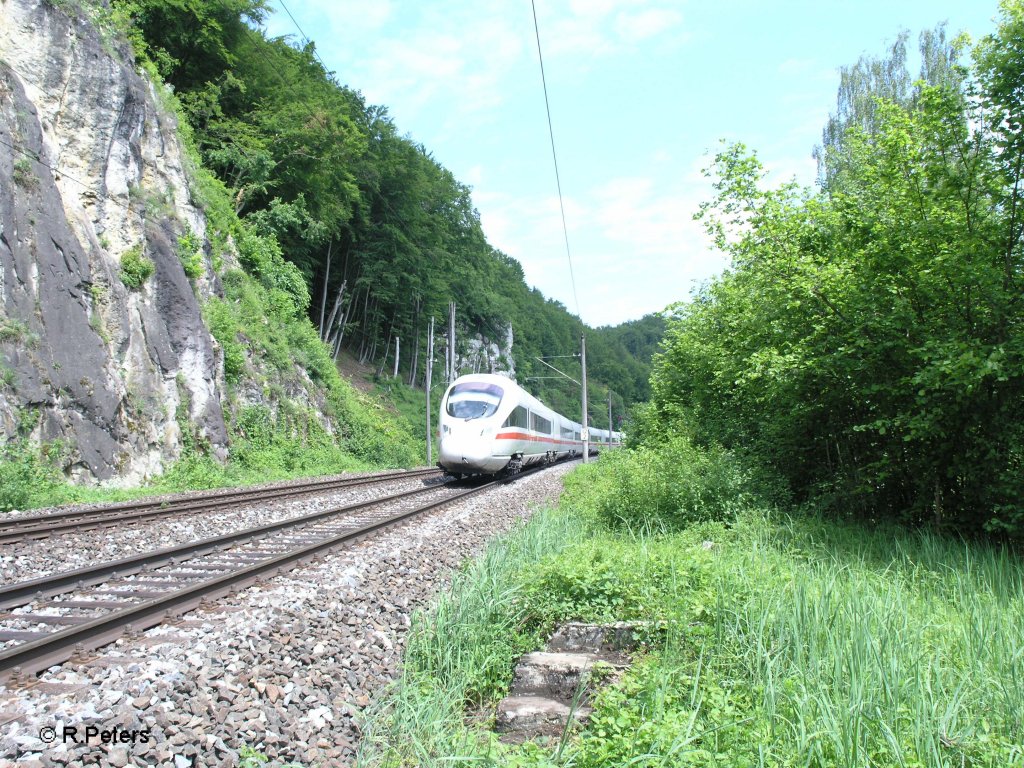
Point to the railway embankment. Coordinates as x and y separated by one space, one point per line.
285 667
776 637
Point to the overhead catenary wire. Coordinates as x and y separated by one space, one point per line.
305 37
37 157
554 154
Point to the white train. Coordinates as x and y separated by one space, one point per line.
489 424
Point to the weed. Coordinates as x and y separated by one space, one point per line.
25 475
23 175
190 252
135 267
15 330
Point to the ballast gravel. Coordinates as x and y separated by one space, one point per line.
285 668
68 551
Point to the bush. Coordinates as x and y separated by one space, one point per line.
135 267
190 253
224 327
25 476
665 488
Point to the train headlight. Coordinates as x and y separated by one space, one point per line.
445 428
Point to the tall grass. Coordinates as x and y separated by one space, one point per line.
462 651
878 647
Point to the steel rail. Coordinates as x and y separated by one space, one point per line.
22 592
35 656
41 526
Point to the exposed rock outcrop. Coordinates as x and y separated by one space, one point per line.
480 354
91 170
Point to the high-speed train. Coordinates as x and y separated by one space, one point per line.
489 425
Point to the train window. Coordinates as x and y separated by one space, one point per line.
518 418
567 432
474 400
576 435
540 424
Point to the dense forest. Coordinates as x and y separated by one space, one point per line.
382 235
867 343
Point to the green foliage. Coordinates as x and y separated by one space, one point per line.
602 580
190 252
223 321
662 488
317 175
23 174
462 651
27 475
261 256
135 267
866 344
250 757
788 641
14 330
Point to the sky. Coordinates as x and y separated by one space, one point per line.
642 93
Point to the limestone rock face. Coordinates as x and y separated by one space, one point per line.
91 170
481 354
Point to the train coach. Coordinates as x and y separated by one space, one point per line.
491 425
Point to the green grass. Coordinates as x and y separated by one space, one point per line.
786 641
29 478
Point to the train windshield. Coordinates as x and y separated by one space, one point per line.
474 400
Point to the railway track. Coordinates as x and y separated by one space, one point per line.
13 530
46 621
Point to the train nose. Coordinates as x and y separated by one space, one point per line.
464 448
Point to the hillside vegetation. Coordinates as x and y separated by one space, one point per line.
383 236
325 229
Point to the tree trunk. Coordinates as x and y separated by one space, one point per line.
328 333
415 360
323 294
342 326
368 327
416 348
384 361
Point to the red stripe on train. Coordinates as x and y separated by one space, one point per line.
534 438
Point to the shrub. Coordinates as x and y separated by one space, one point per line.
223 323
668 487
135 267
23 175
190 252
261 256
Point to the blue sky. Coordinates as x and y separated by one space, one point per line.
641 92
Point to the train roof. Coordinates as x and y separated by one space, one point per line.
509 384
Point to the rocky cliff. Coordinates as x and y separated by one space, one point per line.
102 343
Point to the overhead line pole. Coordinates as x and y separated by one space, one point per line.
609 418
451 342
583 365
430 368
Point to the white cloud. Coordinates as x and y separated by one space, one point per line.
636 248
605 27
636 27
